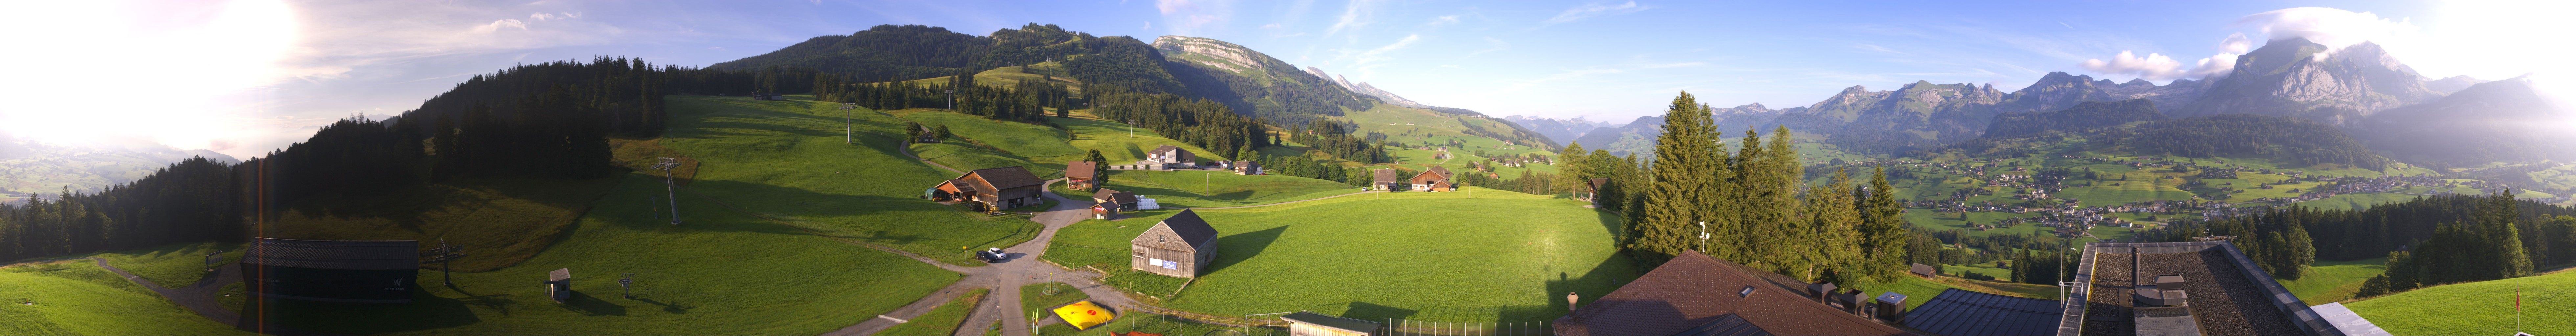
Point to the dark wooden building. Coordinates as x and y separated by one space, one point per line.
1245 167
1178 246
1172 156
367 271
993 189
1082 175
1107 204
1695 294
1435 179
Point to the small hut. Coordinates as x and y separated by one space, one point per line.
1306 323
1925 271
1178 246
559 284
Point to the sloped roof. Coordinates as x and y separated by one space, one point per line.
1192 229
1966 313
1006 177
1385 175
1335 322
1085 169
1114 196
1694 290
1247 164
1163 149
336 254
1598 182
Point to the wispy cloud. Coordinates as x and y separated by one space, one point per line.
1591 10
496 25
1357 14
1497 45
1188 17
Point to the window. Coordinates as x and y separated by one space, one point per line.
1747 291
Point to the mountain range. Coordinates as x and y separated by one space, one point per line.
2359 89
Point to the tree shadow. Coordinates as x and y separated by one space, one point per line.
424 312
1238 195
1234 249
671 307
1603 277
585 304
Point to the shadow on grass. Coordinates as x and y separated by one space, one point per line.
585 304
425 312
1600 280
671 307
1234 249
1376 312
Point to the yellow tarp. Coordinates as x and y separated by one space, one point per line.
1084 315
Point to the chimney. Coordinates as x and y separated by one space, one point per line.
1569 302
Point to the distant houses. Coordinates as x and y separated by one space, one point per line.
1082 175
1178 246
1436 179
992 189
1107 204
1386 179
1172 157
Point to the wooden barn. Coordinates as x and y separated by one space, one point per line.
1386 179
1082 175
1436 179
1106 204
993 189
1245 168
1169 155
1178 246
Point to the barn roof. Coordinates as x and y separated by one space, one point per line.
1247 164
1693 293
336 254
1335 322
1084 169
1598 182
1386 175
1114 196
1192 229
1007 177
1163 149
1966 313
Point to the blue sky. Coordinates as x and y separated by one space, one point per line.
1604 60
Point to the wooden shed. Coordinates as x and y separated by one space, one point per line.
1592 190
1925 271
1178 246
1246 168
559 284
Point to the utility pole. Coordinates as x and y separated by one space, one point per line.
443 254
673 189
628 283
952 99
846 136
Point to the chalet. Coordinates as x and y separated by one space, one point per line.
1246 167
1592 191
1436 179
1106 204
1386 180
993 189
1172 157
1178 246
1082 175
1694 294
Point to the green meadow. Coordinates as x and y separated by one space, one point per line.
2478 308
79 298
1203 188
2330 281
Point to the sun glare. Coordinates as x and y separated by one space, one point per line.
175 76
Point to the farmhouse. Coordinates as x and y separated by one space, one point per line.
1385 179
1172 157
368 271
1245 168
1082 175
1178 246
1436 179
1695 294
992 189
1106 204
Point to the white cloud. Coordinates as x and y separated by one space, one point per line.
1591 10
498 24
1186 17
1442 20
1355 15
2158 67
540 16
2335 28
2235 44
1498 45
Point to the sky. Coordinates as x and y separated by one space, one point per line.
245 77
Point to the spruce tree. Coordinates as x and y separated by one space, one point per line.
1570 166
1676 206
1096 158
1884 230
1830 240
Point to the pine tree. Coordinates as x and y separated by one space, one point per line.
1677 204
1830 239
1885 234
1570 166
1096 158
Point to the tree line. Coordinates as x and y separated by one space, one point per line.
1749 204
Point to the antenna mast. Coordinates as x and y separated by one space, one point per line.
669 187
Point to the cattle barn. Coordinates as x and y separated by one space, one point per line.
993 189
1082 175
1436 179
364 271
1178 246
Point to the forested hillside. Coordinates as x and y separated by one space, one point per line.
2245 135
2086 115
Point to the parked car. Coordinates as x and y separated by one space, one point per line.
994 255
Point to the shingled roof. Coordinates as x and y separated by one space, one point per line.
1192 229
1385 175
1007 177
1162 149
1114 196
1083 169
1695 290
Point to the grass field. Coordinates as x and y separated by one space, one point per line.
1035 301
1199 188
739 264
79 298
172 266
1123 144
939 321
1478 255
503 221
2478 308
2330 281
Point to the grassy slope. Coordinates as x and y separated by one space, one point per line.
1479 255
723 271
1185 188
78 298
1122 144
2478 308
2330 281
939 321
502 221
172 266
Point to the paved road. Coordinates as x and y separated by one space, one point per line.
1005 280
198 297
